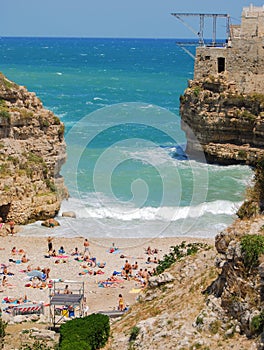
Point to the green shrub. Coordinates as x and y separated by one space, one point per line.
242 153
51 185
178 252
6 83
78 345
44 122
56 120
5 170
25 114
248 116
252 246
37 345
34 158
215 327
199 320
257 323
4 114
88 333
134 333
196 91
248 209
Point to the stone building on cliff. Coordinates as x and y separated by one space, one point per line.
224 103
242 58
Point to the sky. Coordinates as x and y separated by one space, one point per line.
113 18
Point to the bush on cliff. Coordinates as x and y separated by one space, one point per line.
88 333
252 246
257 323
177 252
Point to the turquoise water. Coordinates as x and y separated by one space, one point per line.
126 172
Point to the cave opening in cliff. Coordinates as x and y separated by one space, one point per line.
4 211
221 64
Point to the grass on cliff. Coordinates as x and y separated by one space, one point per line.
4 82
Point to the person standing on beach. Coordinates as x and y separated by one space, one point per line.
50 243
121 303
12 227
127 269
86 245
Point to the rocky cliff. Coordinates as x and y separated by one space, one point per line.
32 151
212 300
228 126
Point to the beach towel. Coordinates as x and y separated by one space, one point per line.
116 273
37 273
113 251
135 290
85 271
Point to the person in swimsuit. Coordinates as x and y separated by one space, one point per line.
86 245
128 269
49 243
121 303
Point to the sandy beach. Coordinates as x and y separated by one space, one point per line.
66 268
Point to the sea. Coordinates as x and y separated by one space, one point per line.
127 171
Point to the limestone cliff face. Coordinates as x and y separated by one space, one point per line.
228 125
32 151
240 289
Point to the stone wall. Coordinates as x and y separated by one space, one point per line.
252 22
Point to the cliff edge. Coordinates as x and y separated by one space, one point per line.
32 151
228 125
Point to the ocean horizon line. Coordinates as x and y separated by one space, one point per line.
194 40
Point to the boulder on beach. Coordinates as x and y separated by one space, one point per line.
50 223
69 214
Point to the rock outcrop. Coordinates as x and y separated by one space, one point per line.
226 125
213 300
32 151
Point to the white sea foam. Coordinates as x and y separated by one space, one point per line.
203 220
125 213
155 156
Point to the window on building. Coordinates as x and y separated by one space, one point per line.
221 64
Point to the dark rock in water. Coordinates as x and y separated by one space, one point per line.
177 152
